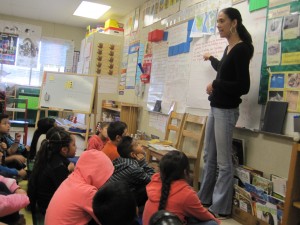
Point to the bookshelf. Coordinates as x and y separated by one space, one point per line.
292 199
125 112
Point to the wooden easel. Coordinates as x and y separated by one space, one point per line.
55 106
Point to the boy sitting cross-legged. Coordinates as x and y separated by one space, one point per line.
15 153
132 168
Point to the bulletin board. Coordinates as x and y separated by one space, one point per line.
64 91
281 53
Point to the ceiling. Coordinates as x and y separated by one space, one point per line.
61 11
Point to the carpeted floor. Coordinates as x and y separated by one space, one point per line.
27 214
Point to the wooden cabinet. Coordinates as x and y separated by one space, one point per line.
121 111
291 214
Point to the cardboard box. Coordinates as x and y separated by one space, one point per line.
111 23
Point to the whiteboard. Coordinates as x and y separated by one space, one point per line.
202 73
64 91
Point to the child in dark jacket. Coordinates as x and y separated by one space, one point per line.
14 152
132 168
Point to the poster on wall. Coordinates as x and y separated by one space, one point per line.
284 86
28 51
8 46
28 45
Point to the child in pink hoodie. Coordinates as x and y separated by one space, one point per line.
169 190
72 201
12 199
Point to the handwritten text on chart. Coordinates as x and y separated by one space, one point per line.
214 46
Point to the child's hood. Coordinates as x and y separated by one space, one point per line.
94 167
154 187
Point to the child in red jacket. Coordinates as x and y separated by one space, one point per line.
98 140
169 190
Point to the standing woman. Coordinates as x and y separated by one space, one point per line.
232 81
51 167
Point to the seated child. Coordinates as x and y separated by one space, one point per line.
73 200
15 153
10 172
131 167
12 200
98 140
39 135
114 204
51 167
115 131
163 217
169 190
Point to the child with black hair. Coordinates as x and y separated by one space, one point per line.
39 135
163 217
14 152
51 167
98 140
114 203
115 131
132 168
169 190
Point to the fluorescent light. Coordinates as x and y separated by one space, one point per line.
91 10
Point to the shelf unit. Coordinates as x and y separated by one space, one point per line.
291 215
125 112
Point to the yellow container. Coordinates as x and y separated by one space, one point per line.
111 23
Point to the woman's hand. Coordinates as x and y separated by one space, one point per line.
209 89
206 56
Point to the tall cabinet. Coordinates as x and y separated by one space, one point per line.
291 215
101 56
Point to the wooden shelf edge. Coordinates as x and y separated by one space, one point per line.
111 108
296 204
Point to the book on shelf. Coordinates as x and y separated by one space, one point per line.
162 147
279 185
253 171
242 199
263 183
258 194
268 212
244 174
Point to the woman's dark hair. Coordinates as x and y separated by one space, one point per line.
163 217
173 166
43 126
56 139
244 34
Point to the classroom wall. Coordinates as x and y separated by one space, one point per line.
266 152
53 30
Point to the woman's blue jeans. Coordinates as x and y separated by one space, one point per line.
217 183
